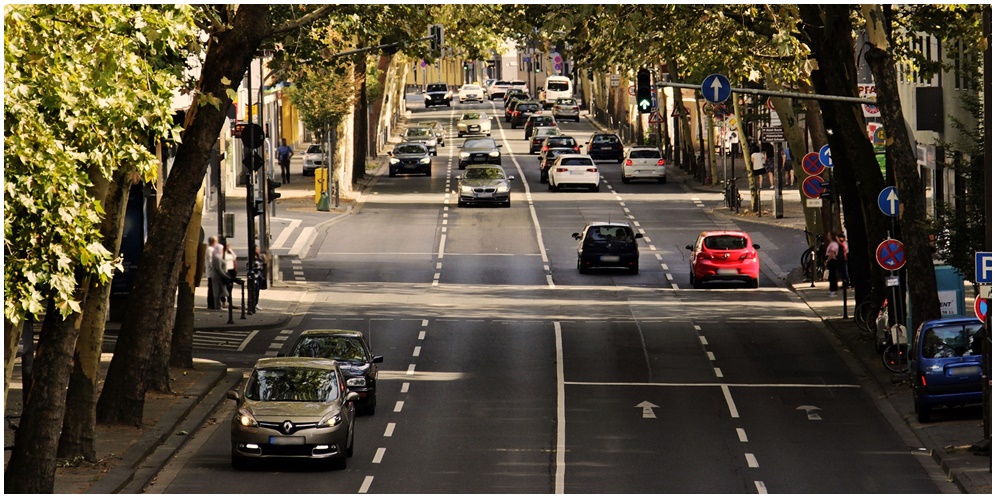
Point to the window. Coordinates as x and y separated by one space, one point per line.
952 341
725 242
645 154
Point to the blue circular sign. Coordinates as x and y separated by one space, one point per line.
716 88
891 254
825 156
812 186
888 201
811 163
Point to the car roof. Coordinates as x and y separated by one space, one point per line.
950 320
571 156
643 147
609 224
295 361
713 233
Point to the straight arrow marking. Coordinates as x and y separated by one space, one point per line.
648 409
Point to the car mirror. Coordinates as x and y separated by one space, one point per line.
757 246
500 145
390 153
638 235
458 177
352 397
689 247
233 395
377 359
510 178
576 235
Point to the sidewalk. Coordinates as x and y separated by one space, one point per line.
129 457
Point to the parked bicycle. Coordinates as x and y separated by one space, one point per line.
895 357
866 313
731 195
813 254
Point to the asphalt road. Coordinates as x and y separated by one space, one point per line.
507 371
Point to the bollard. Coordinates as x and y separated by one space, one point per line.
230 310
243 287
843 288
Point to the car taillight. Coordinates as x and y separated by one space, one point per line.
923 379
561 170
515 113
546 148
592 170
748 255
660 162
629 162
576 149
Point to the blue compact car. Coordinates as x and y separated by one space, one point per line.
947 364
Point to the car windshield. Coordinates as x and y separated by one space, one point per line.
576 161
605 139
952 341
528 107
314 149
725 242
418 132
545 131
484 174
435 88
645 154
481 143
610 233
557 86
471 115
304 384
471 87
334 347
566 102
410 149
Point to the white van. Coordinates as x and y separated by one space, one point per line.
557 87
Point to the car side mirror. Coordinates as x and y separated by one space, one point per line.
757 246
233 395
500 145
377 359
638 235
512 177
390 153
576 235
352 397
689 247
458 177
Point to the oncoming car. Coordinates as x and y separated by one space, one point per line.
351 350
409 157
723 256
424 136
479 150
484 184
470 92
312 159
608 245
438 94
474 123
297 408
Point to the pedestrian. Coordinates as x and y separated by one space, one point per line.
842 269
757 160
769 166
208 254
830 262
231 261
284 154
259 264
220 278
787 167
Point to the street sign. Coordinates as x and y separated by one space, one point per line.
656 118
811 164
716 88
981 308
888 201
812 187
890 254
825 156
772 134
983 267
814 203
614 80
632 90
675 113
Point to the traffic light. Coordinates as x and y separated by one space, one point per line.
436 34
271 190
643 91
466 65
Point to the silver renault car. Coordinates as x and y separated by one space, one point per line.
293 408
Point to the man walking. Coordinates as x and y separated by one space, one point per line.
284 154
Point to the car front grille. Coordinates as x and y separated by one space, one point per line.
279 426
479 190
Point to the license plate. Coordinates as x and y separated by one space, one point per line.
286 440
964 371
475 128
484 195
726 271
577 172
610 259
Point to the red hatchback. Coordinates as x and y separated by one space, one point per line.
723 255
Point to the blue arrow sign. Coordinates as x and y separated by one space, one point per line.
825 156
716 88
888 201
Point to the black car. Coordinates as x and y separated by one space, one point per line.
560 141
522 111
547 157
410 157
484 184
608 245
515 93
510 106
605 146
351 350
479 151
438 94
535 120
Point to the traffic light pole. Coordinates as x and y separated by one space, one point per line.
250 194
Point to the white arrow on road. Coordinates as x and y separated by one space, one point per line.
716 85
893 198
648 409
810 412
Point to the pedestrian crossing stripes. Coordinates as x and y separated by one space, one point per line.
216 340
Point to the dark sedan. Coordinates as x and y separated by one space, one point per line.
484 184
479 151
351 350
410 157
605 146
522 111
608 245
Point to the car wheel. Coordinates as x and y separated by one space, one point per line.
577 120
922 411
696 283
662 180
338 463
594 188
239 462
459 135
550 187
543 178
435 152
625 180
392 173
462 166
489 133
513 126
752 283
581 268
635 270
428 172
461 204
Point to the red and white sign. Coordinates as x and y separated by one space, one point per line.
868 91
656 118
981 308
890 254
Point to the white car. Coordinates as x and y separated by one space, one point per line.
474 123
312 159
574 170
471 92
643 162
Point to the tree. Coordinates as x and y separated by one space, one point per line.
87 88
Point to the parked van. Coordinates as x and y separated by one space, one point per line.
947 364
556 87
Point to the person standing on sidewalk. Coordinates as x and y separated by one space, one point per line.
830 262
845 276
219 276
284 154
208 254
787 167
757 160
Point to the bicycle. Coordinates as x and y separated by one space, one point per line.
813 253
731 195
896 357
866 313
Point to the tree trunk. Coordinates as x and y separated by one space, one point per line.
181 351
31 468
360 126
856 171
11 338
924 302
228 55
79 426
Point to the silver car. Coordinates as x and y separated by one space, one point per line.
297 408
312 159
423 136
474 123
484 184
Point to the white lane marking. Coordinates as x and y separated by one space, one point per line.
285 234
697 327
558 487
302 241
421 335
729 401
379 455
703 340
404 387
398 406
411 369
248 338
390 429
761 488
741 435
425 323
365 487
711 356
719 373
751 460
442 244
713 384
418 350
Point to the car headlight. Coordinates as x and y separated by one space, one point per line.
464 155
461 126
395 160
245 419
331 420
502 188
427 97
494 153
466 190
357 382
430 143
425 160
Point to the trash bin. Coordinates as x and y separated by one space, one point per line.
950 292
